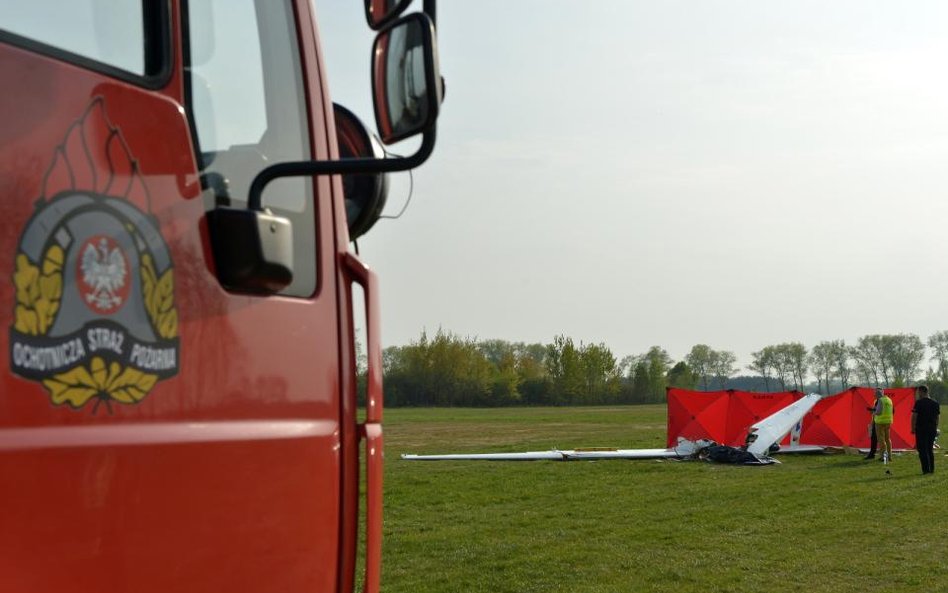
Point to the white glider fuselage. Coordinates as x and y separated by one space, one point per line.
762 435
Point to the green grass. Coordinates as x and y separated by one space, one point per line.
830 523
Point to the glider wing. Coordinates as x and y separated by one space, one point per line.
684 449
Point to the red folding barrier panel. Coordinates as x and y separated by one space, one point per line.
903 399
837 420
746 408
832 422
696 415
861 399
722 416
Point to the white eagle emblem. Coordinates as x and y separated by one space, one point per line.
104 272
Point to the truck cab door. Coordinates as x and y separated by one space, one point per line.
253 97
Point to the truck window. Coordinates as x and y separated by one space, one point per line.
247 106
120 37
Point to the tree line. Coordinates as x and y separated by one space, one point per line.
450 370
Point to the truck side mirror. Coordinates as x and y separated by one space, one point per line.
381 12
406 83
365 193
407 89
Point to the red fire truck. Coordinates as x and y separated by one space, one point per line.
178 380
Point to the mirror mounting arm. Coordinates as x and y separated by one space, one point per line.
338 167
430 8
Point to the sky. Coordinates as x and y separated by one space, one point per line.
736 174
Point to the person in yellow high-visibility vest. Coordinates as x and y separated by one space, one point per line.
882 415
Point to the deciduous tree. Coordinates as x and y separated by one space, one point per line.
566 370
722 366
938 342
841 369
701 360
681 376
906 353
796 355
601 374
762 364
822 360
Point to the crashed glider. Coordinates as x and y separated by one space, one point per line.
760 438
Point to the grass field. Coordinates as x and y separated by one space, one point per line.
830 523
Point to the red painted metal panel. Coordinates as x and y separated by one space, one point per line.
224 474
371 429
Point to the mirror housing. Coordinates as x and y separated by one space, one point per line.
261 262
379 13
407 88
365 193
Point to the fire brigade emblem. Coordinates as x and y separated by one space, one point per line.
95 320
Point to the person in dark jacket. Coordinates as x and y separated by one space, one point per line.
873 439
925 427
